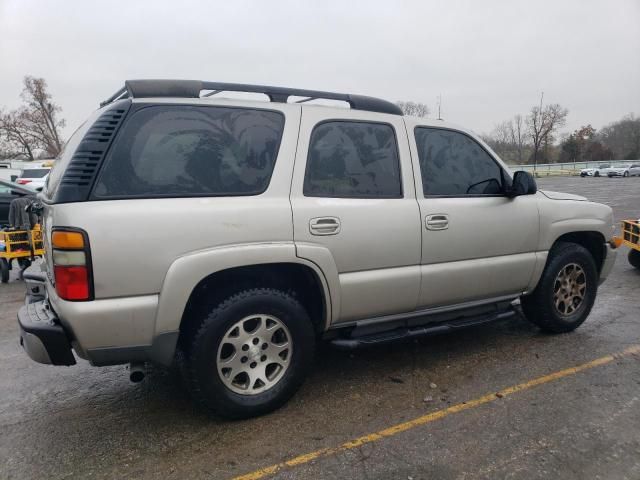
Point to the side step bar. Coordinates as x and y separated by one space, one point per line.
351 343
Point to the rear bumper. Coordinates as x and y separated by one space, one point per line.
42 336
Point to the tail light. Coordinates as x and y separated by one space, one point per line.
22 181
72 264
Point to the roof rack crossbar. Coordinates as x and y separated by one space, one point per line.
192 88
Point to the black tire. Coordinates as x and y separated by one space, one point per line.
539 307
4 270
597 174
634 258
201 352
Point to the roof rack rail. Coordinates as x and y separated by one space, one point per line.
192 89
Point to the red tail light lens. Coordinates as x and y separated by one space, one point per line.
72 283
23 182
71 264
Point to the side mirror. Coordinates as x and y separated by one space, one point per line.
523 184
14 178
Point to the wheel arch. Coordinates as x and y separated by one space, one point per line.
298 279
593 241
274 262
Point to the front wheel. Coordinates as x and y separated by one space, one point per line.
566 291
625 174
250 354
634 258
597 174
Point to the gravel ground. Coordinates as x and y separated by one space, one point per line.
84 422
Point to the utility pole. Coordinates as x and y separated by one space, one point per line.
539 128
439 105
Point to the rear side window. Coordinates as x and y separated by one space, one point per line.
177 151
453 164
353 159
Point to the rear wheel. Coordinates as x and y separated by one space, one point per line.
566 291
4 270
250 354
634 258
597 174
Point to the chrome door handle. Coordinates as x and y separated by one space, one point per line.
437 222
324 226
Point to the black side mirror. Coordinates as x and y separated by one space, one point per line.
523 184
14 178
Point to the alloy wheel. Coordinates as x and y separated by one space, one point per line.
254 354
569 289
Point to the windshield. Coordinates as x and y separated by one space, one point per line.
8 187
604 165
35 173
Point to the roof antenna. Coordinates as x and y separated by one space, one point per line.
439 106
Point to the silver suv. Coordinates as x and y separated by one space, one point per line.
228 236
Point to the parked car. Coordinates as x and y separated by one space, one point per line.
598 171
34 177
290 223
8 192
628 170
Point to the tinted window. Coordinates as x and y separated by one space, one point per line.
35 172
187 150
353 159
454 164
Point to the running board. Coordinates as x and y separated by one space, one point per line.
389 336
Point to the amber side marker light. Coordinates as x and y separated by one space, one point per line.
615 242
70 254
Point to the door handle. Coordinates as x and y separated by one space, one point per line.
324 226
438 221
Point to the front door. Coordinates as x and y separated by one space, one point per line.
353 200
478 244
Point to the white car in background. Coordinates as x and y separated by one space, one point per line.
35 178
598 171
628 170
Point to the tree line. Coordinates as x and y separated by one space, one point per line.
531 139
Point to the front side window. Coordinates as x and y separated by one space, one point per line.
181 150
453 164
352 159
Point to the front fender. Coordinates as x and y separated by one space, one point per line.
559 217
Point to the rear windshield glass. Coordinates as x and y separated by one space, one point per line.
35 172
177 150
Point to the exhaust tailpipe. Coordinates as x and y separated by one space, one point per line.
137 372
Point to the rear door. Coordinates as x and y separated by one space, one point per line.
477 243
353 196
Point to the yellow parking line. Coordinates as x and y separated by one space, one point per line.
438 414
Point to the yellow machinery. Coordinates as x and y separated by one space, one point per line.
631 238
19 245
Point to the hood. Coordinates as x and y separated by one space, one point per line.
562 196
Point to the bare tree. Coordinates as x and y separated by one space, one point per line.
542 123
15 136
34 127
510 139
41 115
415 109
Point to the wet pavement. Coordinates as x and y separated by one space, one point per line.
86 422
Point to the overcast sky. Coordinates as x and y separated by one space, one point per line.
488 59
